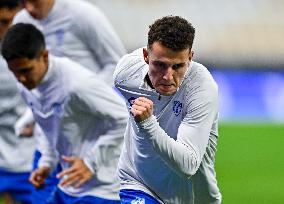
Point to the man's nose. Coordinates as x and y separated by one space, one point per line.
21 78
29 7
168 74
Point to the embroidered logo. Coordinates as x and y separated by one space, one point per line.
31 105
138 201
59 36
131 101
177 107
57 108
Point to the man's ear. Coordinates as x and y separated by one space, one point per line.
45 55
145 55
191 53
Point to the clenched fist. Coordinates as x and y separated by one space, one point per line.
38 176
142 109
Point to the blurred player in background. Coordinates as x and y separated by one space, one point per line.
171 136
82 117
16 153
77 30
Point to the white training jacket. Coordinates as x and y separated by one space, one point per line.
171 154
16 153
81 116
80 31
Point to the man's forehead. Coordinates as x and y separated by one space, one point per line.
30 1
8 12
169 59
160 52
19 63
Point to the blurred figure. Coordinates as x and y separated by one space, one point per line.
171 137
82 117
16 153
77 30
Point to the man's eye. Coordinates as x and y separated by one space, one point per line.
176 66
159 64
4 21
24 71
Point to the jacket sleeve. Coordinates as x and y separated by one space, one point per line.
127 67
97 32
102 159
48 158
26 119
98 100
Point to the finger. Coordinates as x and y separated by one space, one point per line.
142 111
136 111
139 108
144 104
81 182
138 116
68 159
27 132
144 100
141 104
35 184
36 180
43 173
32 179
70 180
36 176
65 172
39 184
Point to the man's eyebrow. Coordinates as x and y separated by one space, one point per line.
24 68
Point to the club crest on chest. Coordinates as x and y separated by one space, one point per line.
177 107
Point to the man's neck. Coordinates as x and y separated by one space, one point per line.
148 81
49 7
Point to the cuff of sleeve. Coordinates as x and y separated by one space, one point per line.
90 164
43 163
23 121
147 123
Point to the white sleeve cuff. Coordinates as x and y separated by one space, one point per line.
26 119
147 123
90 164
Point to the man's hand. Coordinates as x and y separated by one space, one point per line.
77 174
142 109
38 176
28 130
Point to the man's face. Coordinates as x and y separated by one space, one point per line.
38 9
6 17
166 67
30 72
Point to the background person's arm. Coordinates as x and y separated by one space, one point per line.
97 32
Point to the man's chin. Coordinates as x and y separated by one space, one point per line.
166 93
35 16
29 87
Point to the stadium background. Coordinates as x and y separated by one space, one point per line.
242 44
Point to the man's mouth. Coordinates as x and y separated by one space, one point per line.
166 86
